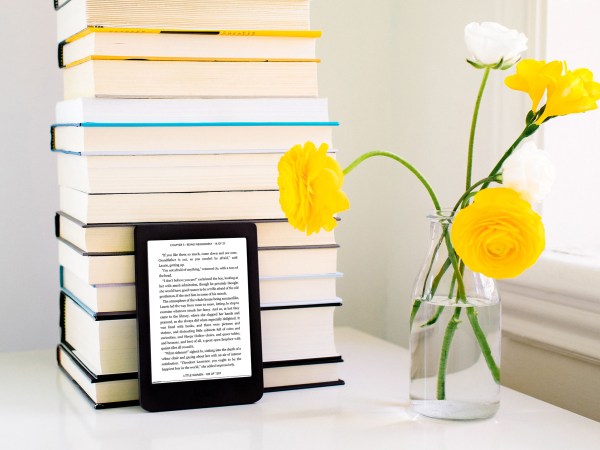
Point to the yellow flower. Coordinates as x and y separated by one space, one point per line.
566 91
499 234
574 92
534 77
310 188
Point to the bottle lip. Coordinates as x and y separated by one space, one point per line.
442 214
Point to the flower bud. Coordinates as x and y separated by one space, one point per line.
529 171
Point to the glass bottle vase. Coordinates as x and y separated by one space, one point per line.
454 334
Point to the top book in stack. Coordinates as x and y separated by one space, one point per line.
76 15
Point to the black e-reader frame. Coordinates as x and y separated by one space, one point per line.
165 389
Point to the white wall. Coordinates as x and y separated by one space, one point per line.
395 75
30 85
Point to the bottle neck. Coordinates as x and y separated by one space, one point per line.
440 223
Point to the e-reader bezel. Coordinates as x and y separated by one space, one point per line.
201 393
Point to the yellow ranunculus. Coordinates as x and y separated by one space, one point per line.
534 77
310 188
574 92
499 234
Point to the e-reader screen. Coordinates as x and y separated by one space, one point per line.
199 310
198 315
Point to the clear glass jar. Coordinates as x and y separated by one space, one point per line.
454 334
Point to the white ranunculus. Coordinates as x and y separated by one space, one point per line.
529 171
489 43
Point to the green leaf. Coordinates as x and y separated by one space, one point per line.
530 118
499 65
530 129
476 65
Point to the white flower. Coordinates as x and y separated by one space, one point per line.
490 43
529 171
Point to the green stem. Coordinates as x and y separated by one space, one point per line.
432 260
434 285
486 74
460 291
438 312
438 277
528 131
436 281
452 286
448 335
420 177
452 324
463 198
414 310
483 344
402 161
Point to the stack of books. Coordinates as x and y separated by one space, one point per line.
179 111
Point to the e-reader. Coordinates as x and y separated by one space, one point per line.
198 315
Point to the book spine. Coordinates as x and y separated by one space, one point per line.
308 34
52 137
304 386
58 4
57 225
61 320
60 49
196 124
300 306
303 362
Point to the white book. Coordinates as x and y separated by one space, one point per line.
190 79
190 138
168 173
192 110
170 207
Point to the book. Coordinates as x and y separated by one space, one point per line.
107 43
176 79
114 390
112 268
103 390
98 298
274 291
192 110
93 138
74 16
107 343
169 206
118 238
168 173
133 174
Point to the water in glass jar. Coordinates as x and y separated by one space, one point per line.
470 391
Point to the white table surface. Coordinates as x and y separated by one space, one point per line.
41 409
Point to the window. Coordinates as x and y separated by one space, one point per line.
572 210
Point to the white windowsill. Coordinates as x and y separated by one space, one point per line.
556 305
